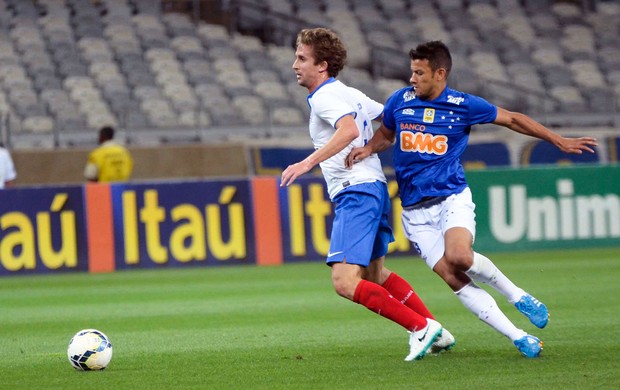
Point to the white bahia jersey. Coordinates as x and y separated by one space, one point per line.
331 101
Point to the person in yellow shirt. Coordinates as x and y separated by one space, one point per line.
110 161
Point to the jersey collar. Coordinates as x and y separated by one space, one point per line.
328 81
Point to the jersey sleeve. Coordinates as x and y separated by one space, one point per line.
481 111
331 108
373 108
388 111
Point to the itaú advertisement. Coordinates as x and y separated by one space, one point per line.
102 227
182 223
42 230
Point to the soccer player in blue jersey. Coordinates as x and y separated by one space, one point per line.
340 119
429 124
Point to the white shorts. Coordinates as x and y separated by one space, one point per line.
425 227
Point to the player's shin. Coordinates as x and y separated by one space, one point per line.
482 304
379 300
483 270
402 290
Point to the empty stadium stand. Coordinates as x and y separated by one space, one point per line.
68 67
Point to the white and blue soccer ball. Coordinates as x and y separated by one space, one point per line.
89 349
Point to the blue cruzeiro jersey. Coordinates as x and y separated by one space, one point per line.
431 136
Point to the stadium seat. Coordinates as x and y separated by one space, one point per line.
178 24
38 124
389 86
251 108
198 71
213 35
273 93
570 98
287 116
299 97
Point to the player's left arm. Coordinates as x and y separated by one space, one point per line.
523 124
346 132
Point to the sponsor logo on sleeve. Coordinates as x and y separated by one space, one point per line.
408 95
455 99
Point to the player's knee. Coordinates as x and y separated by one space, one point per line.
376 276
461 258
451 275
344 286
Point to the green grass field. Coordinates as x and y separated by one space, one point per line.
285 328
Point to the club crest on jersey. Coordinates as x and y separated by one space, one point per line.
429 115
408 95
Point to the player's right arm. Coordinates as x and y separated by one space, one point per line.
380 141
346 132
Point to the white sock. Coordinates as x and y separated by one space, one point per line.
482 304
483 270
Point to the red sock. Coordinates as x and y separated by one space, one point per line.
402 290
379 300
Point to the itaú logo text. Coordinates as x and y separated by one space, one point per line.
423 143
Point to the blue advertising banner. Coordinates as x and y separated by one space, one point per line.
174 224
42 230
306 218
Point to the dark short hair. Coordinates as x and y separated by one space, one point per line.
106 132
437 54
326 46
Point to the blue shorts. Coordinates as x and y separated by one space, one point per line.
360 232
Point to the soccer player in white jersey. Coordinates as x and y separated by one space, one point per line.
7 168
429 125
340 119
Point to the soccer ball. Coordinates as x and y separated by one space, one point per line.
89 349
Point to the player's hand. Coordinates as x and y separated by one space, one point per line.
356 155
578 145
293 171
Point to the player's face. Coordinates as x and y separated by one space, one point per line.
309 74
427 84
